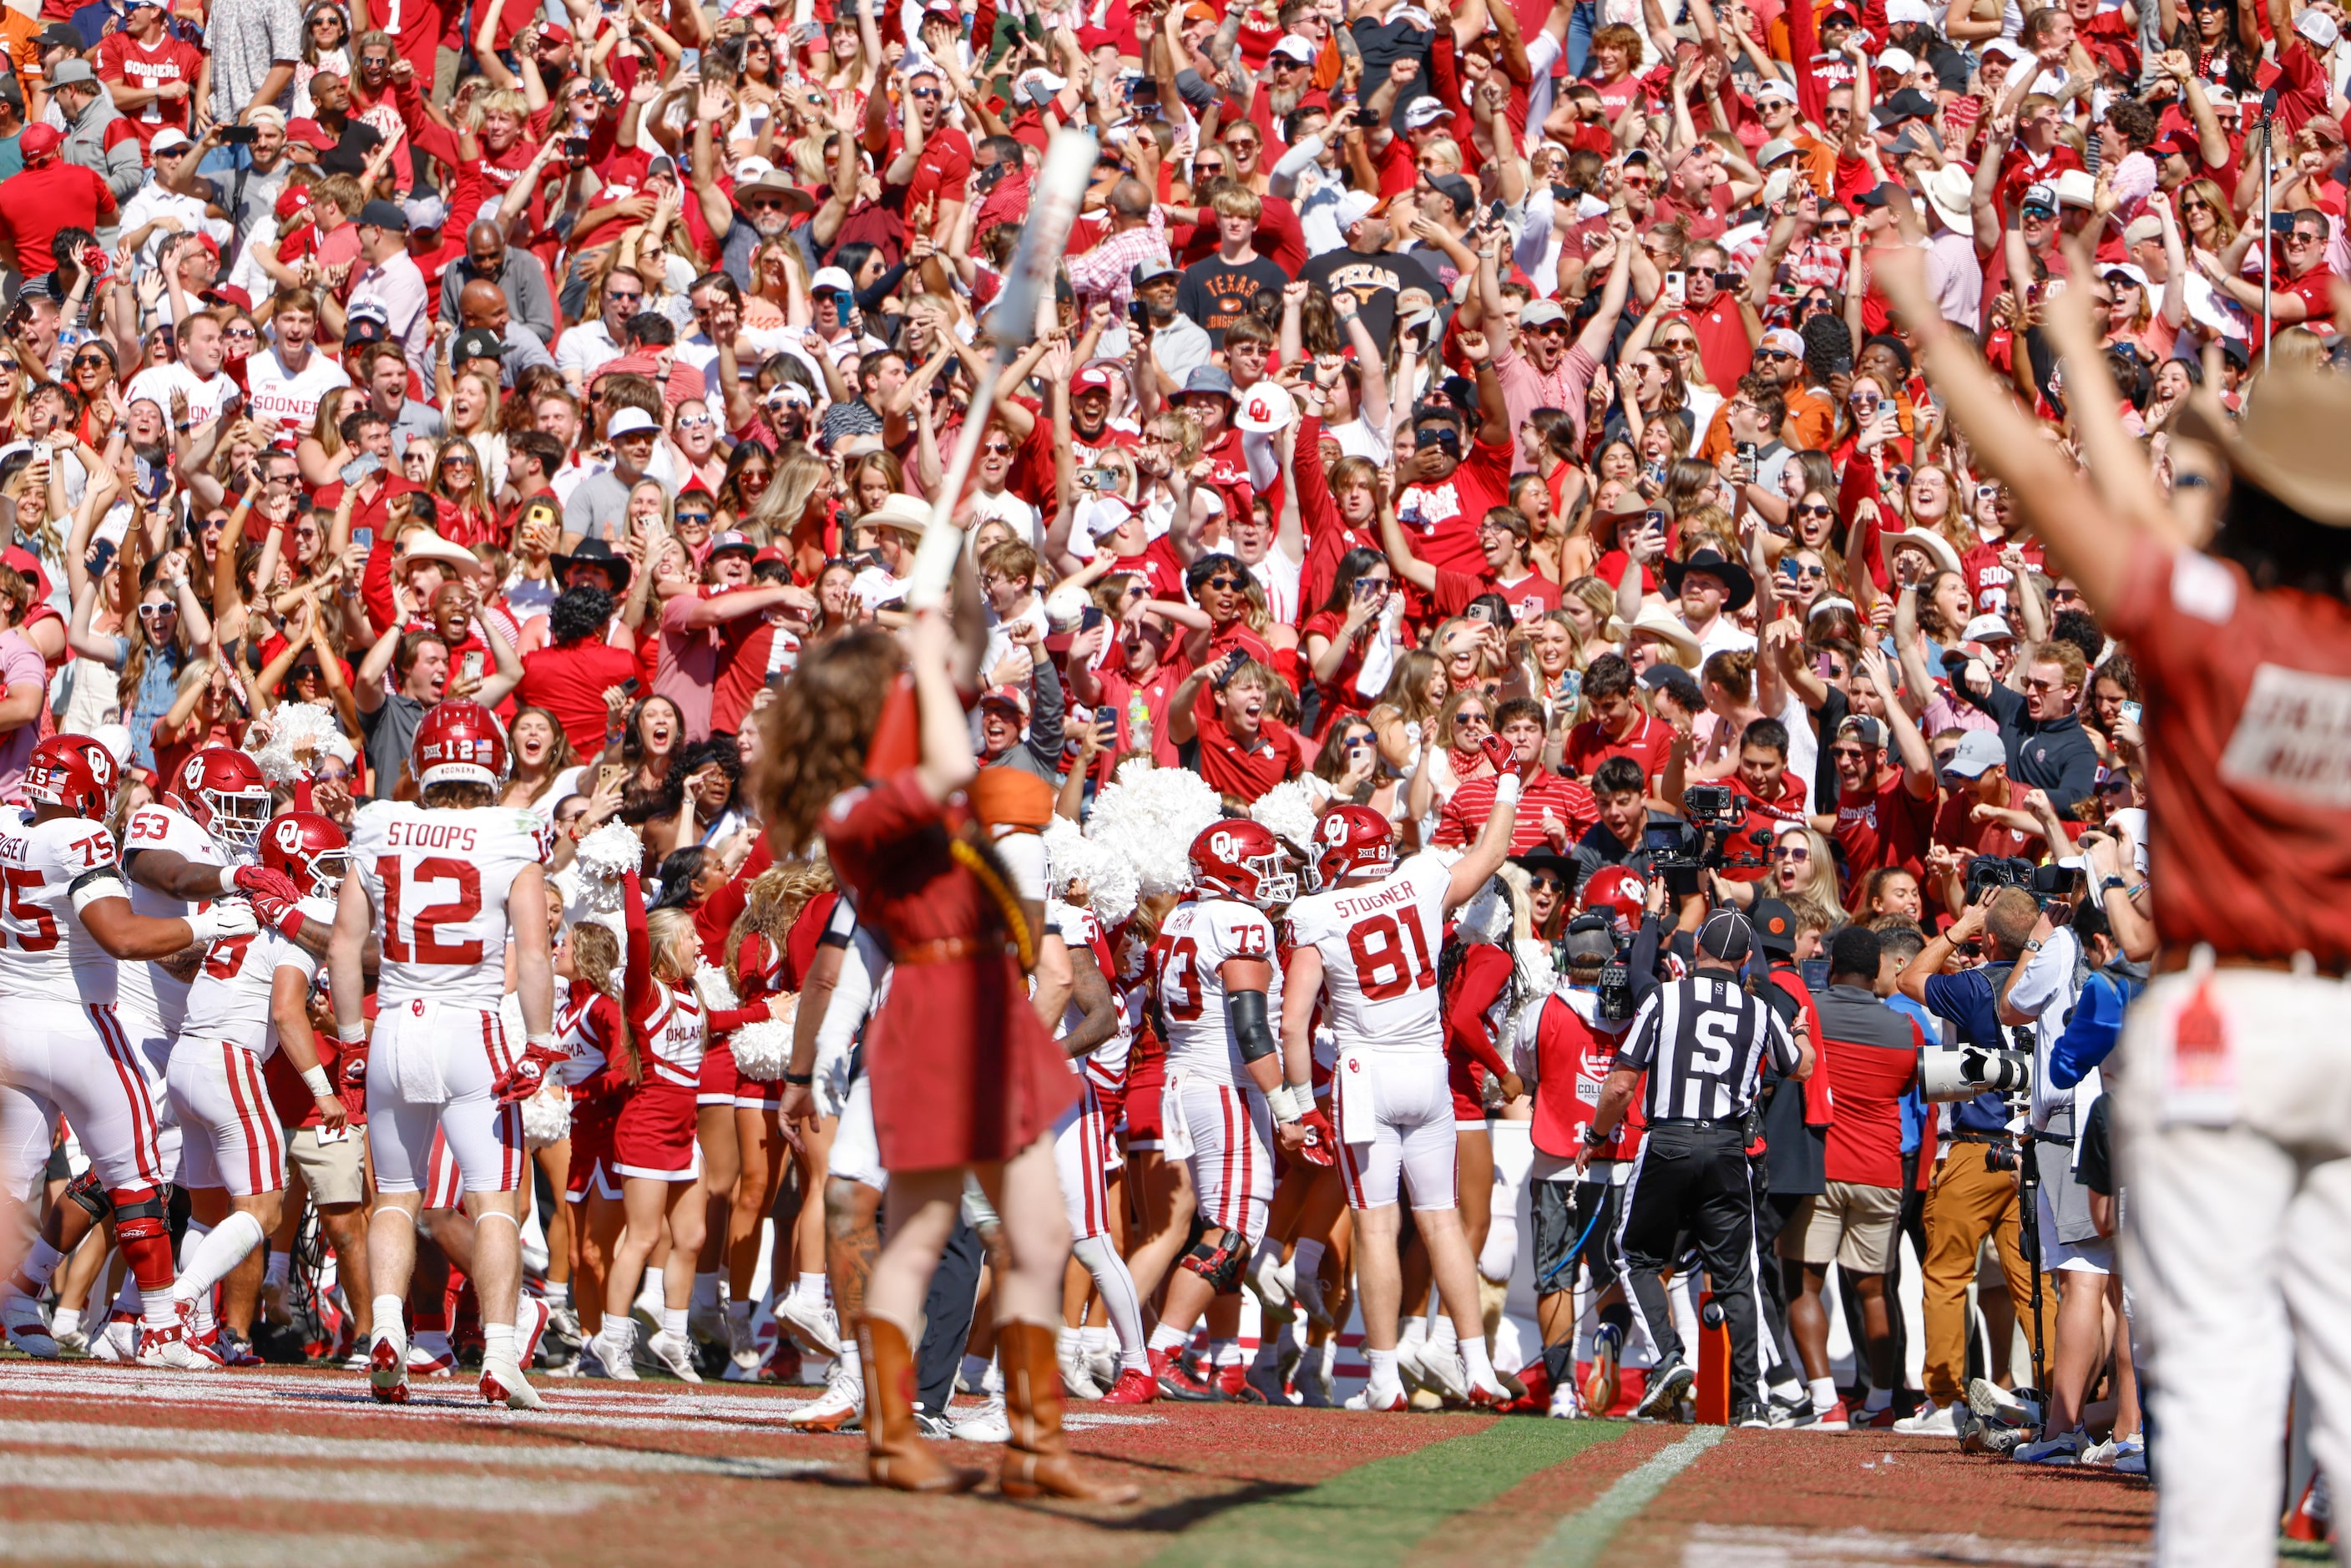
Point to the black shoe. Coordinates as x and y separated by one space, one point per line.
1792 1411
1751 1415
1668 1384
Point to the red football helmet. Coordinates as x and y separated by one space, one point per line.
1615 892
1350 838
223 792
74 771
460 742
1241 859
309 849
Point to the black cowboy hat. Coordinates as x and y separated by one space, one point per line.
594 552
1737 579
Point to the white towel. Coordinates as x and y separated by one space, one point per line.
1175 1132
417 1058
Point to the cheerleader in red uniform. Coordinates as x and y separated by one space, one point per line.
600 1075
963 1076
654 1148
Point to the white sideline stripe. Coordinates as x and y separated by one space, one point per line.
383 1488
195 1441
1577 1540
177 1546
1756 1546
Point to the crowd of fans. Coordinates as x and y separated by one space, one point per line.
1417 373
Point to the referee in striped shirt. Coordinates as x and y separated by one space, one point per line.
1703 1041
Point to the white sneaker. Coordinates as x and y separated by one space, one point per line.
1265 1284
72 1340
839 1408
707 1326
169 1348
812 1322
2065 1448
617 1358
1077 1377
1393 1398
1408 1368
26 1330
988 1424
503 1383
1930 1422
1441 1373
674 1353
1991 1401
1566 1404
1103 1367
118 1343
1489 1395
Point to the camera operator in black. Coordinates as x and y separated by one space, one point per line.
1974 1190
1701 1041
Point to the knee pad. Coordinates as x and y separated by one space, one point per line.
142 1218
1219 1263
86 1190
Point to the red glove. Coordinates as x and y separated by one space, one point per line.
355 1055
1500 753
261 881
524 1079
1322 1147
278 914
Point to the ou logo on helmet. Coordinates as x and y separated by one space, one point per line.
1221 846
192 776
289 835
1335 829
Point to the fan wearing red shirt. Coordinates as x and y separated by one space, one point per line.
1773 796
1547 802
1883 812
1985 814
1450 493
1232 744
939 183
1503 568
1717 316
1619 725
153 75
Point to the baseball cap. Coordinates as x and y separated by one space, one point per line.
171 139
1354 207
293 199
2142 229
426 213
308 133
1905 13
1726 935
361 330
2005 48
628 421
1013 697
1777 89
554 33
1979 752
1862 729
1207 379
1456 190
1296 48
832 277
1540 313
1775 926
1425 110
2041 196
1907 104
1771 151
383 215
1778 340
1145 271
477 343
2317 26
39 141
1987 629
1902 62
59 35
1093 377
733 539
68 72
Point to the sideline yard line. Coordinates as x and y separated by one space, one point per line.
1577 1540
1761 1546
381 1488
177 1546
200 1442
1375 1513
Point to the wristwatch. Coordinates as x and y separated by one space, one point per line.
2032 946
1594 1137
2113 885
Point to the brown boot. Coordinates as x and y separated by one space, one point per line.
895 1454
1037 1460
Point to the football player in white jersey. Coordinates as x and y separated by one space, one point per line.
66 926
1218 991
1367 943
251 999
444 885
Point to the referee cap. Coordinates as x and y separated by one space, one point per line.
1726 935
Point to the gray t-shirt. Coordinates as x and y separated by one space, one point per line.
245 38
597 506
254 209
388 732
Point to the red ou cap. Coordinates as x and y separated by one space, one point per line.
553 34
1093 377
309 133
731 539
768 554
38 142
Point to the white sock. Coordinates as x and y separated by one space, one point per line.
33 1278
279 1272
1415 1328
1306 1263
1096 1341
65 1321
1444 1335
1269 1347
211 1261
158 1309
200 1314
738 1317
498 1343
811 1288
1066 1342
193 1238
1168 1338
391 1315
1788 1388
1225 1352
1475 1363
1266 1248
1879 1399
1825 1394
1383 1368
673 1321
705 1289
620 1331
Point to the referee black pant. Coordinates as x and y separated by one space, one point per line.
1692 1177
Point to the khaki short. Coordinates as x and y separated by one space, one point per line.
1849 1225
332 1171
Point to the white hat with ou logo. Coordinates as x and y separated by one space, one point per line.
1265 408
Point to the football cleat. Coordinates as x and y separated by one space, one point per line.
1836 1418
1668 1384
1077 1377
814 1325
1133 1387
674 1353
984 1423
388 1371
26 1330
1232 1382
532 1319
1392 1399
1410 1370
1489 1395
503 1383
429 1354
1600 1386
784 1363
1566 1404
1177 1383
839 1408
1441 1373
169 1349
236 1350
1265 1382
120 1341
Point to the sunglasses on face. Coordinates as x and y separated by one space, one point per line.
613 297
1476 719
995 449
1848 753
1815 509
1791 852
924 92
240 332
1801 571
460 460
693 421
89 362
758 204
1551 885
157 611
1225 584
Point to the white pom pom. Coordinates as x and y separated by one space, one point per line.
547 1115
298 735
1538 976
1149 817
1289 810
718 994
763 1049
1116 889
604 855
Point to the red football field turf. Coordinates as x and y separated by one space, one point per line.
117 1467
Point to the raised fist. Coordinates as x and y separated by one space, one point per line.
1500 753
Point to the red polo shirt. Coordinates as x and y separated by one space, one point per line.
1246 772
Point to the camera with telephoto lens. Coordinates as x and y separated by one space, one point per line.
1964 1071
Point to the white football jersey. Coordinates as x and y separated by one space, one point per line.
438 880
1191 952
1105 1063
230 998
44 950
1379 943
148 988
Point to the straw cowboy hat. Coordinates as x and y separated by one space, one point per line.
1682 647
2289 442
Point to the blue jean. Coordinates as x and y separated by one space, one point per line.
1579 38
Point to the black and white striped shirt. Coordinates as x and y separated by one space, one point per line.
1703 1041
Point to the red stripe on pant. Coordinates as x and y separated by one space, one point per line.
118 1047
1249 1158
1224 1215
509 1139
237 1093
1090 1157
275 1133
